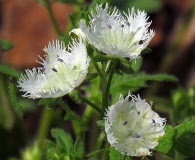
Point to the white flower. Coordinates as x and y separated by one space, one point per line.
63 69
117 34
132 127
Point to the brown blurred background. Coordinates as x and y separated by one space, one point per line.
27 25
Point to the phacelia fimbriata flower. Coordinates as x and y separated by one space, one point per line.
63 69
118 34
132 127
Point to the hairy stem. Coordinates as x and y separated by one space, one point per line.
106 91
92 105
44 124
52 17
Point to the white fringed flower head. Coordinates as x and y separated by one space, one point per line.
132 127
63 69
117 34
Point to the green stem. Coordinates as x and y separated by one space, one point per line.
106 91
90 53
6 113
97 68
44 124
100 141
52 17
87 114
108 66
75 123
92 105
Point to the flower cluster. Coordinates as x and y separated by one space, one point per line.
61 71
132 127
130 124
117 34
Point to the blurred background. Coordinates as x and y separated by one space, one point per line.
27 25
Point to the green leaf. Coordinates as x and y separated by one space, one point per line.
95 152
9 71
125 68
48 102
116 155
136 64
78 148
101 124
148 6
72 20
75 96
97 2
191 95
101 58
64 140
183 104
91 76
13 99
33 150
165 145
162 77
68 1
63 149
49 144
184 139
6 45
146 51
71 116
125 83
179 98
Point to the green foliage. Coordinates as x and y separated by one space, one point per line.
90 76
146 51
48 102
9 71
70 116
184 138
63 139
165 145
78 148
13 99
122 68
72 20
180 138
76 96
6 45
102 58
183 104
125 83
116 155
101 124
7 117
63 148
68 1
148 6
33 152
95 2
